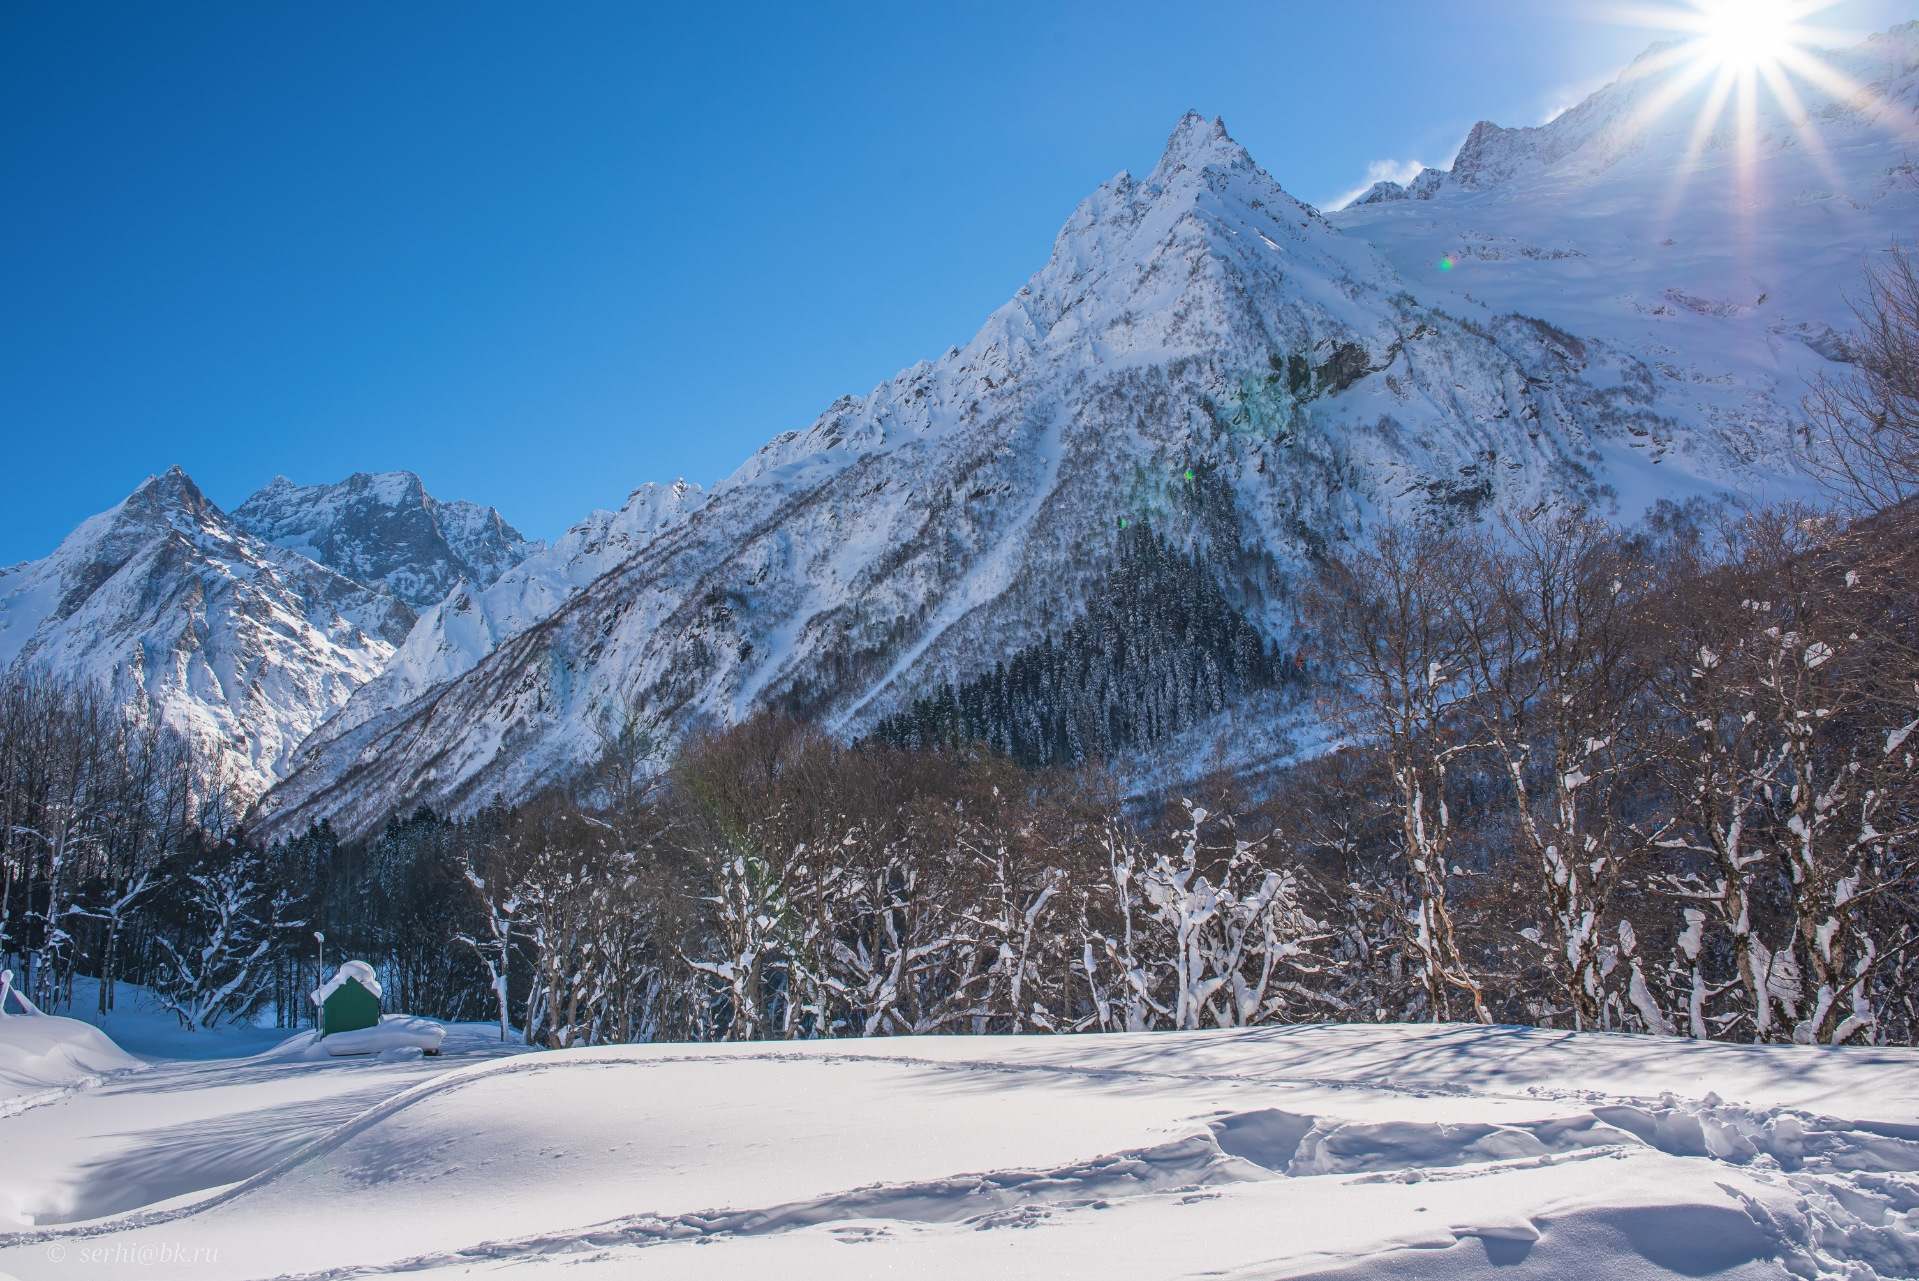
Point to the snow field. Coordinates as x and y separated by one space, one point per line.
1325 1151
187 1113
140 1024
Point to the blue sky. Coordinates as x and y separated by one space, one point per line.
541 254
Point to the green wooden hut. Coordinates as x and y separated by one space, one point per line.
349 1000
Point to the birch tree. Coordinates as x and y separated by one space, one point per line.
1796 775
1554 623
1387 622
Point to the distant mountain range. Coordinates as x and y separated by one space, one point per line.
386 531
172 603
1605 310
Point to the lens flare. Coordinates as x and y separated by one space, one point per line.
1730 55
1744 35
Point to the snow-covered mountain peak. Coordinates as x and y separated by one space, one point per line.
165 600
1200 353
1202 170
1149 268
171 491
383 528
168 501
167 506
384 489
1195 143
1208 250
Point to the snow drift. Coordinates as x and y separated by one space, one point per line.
393 1035
44 1054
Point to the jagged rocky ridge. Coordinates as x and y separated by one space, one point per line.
165 600
385 530
1197 320
245 631
459 631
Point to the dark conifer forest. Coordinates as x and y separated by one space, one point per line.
1160 649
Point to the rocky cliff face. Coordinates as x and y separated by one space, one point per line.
385 530
472 621
1201 352
164 599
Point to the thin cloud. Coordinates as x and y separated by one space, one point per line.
1399 171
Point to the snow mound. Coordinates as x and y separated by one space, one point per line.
44 1055
397 1036
395 1032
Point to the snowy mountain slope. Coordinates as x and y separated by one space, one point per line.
1357 1151
385 529
164 599
1717 264
1201 351
471 622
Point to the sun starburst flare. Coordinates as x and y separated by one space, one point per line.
1741 45
1749 36
1731 52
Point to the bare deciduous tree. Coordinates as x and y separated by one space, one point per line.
1866 424
1388 622
1553 621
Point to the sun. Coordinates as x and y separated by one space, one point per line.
1746 39
1747 35
1730 54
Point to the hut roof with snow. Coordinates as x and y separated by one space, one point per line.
349 1000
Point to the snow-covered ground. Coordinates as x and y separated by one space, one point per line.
91 1127
1376 1152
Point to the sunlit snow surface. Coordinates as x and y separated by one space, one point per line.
1406 1151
